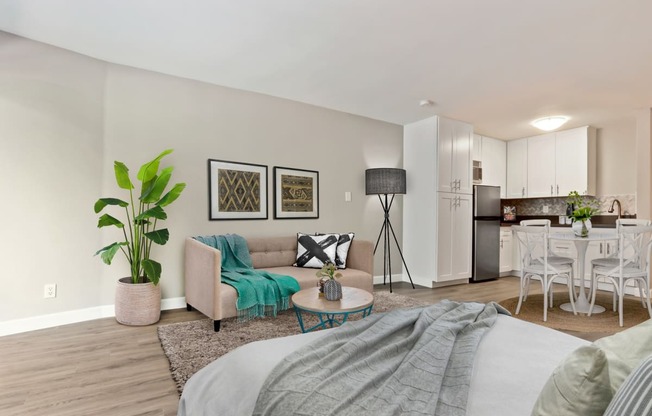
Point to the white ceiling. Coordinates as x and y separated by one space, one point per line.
497 64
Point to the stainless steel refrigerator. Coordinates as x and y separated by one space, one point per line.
486 232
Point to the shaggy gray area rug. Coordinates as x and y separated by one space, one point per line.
192 345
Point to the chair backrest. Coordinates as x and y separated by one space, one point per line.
634 245
626 222
533 244
536 223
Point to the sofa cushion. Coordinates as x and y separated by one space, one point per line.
272 251
316 250
307 278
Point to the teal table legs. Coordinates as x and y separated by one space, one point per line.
327 320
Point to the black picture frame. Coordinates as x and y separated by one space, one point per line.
236 191
305 202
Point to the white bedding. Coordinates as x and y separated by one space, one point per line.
513 362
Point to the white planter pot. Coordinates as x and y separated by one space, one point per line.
581 228
137 304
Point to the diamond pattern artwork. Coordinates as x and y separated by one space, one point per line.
239 191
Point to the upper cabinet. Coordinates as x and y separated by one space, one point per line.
541 165
477 147
575 157
556 164
517 168
454 148
494 163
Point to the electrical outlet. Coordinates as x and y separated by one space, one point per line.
50 291
347 196
545 209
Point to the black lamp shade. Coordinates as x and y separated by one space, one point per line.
385 181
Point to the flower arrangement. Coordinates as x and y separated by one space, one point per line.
582 209
329 271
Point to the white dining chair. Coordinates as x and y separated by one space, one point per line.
536 264
552 256
612 259
631 264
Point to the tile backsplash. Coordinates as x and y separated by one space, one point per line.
557 206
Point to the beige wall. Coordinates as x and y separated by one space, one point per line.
51 121
64 119
616 157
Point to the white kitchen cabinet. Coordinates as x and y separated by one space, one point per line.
575 151
454 156
541 166
453 236
517 168
477 147
556 164
494 164
437 225
516 255
506 250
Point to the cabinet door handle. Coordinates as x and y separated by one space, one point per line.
551 194
557 189
501 243
608 248
600 248
523 192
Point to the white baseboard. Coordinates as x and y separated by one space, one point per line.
34 323
378 280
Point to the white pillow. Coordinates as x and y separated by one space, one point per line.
316 250
343 245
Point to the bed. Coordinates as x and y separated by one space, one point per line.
512 363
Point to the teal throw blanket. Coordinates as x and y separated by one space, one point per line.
260 293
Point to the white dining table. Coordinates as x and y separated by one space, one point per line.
582 304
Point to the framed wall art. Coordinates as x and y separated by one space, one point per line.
236 191
296 193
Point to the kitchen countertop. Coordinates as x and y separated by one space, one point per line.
598 221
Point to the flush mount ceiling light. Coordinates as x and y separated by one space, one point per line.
550 123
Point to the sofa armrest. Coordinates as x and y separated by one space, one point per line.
361 256
203 280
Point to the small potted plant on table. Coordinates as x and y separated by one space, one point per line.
583 210
332 288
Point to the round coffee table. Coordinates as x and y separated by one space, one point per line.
353 300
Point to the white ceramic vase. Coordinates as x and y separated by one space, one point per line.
581 228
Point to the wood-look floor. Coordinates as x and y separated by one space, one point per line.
103 368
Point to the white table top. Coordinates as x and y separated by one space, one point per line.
594 235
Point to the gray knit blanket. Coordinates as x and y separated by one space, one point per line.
404 362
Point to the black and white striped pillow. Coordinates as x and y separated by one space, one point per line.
634 396
316 250
343 245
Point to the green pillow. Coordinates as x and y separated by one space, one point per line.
579 385
585 382
625 351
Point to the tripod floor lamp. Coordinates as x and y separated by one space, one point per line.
385 182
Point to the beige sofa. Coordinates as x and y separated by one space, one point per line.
206 293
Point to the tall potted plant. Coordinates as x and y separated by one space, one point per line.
138 297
